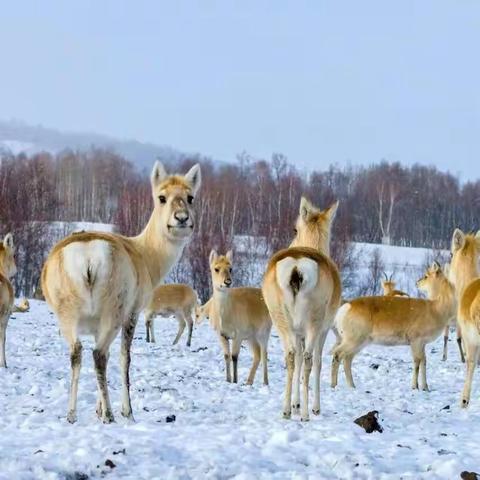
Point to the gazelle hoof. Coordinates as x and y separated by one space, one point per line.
296 408
287 415
108 417
305 419
71 417
464 403
316 411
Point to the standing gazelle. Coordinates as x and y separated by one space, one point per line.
176 299
465 276
302 290
237 314
7 271
98 283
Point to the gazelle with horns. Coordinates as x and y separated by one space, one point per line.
389 290
393 321
302 290
98 283
7 271
465 275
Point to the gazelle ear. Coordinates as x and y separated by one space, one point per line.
435 267
8 242
331 211
213 256
458 240
306 209
446 269
229 256
158 174
194 178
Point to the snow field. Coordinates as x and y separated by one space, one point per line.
226 430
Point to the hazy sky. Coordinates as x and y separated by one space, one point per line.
321 81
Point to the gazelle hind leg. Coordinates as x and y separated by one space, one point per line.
256 352
3 338
445 342
472 353
311 341
149 327
128 330
317 368
189 316
181 327
459 342
299 344
264 353
75 364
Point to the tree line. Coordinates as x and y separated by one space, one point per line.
252 200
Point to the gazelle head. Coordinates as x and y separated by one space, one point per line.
313 225
388 284
465 251
221 269
200 314
173 197
433 281
7 257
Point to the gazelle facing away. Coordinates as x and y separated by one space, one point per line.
302 290
98 283
465 276
392 321
389 290
238 314
7 271
178 300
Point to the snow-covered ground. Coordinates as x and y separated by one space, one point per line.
224 430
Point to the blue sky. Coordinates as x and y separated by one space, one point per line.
322 81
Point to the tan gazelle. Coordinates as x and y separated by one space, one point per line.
98 283
465 276
393 321
389 289
7 271
302 291
179 300
237 314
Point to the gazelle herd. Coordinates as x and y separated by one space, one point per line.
98 284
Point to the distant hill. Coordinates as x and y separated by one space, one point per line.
16 137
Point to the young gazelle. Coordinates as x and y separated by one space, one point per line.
302 290
179 300
7 271
465 275
238 314
392 321
98 283
389 290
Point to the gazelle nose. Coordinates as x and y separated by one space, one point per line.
181 216
228 282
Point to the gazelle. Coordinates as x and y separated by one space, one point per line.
465 276
393 321
389 290
238 314
302 291
7 271
98 283
22 307
203 311
177 299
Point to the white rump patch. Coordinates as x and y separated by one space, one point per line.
340 316
299 304
81 259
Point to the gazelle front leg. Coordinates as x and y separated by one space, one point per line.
125 358
3 338
236 345
472 353
445 343
226 355
459 342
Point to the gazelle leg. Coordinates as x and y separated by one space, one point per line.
181 327
256 352
311 341
472 352
226 354
75 363
264 353
236 344
445 342
128 330
296 375
317 368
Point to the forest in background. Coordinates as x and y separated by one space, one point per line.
254 198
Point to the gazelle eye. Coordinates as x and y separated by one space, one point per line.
162 199
230 270
190 199
217 270
295 231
